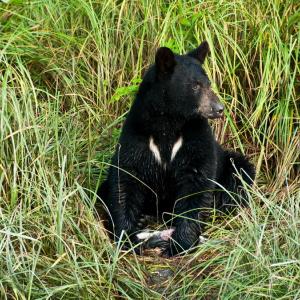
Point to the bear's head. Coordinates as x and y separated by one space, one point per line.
186 84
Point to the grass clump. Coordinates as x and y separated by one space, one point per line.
68 70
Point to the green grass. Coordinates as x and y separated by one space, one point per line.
68 73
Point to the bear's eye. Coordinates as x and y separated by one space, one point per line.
197 86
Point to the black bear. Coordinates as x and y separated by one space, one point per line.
167 160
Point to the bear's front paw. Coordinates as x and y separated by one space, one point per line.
155 239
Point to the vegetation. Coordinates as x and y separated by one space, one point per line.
68 73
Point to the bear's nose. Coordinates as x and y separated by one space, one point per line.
219 108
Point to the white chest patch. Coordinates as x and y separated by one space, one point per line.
154 149
176 147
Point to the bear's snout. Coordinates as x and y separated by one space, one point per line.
210 107
217 109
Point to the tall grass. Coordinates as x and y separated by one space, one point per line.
68 72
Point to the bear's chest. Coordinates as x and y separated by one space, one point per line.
166 158
164 151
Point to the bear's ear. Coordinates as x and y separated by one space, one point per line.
201 52
165 60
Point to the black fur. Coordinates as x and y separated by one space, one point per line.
174 100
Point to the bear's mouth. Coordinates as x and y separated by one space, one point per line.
211 114
214 115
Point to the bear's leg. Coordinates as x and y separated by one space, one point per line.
233 163
191 210
125 206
